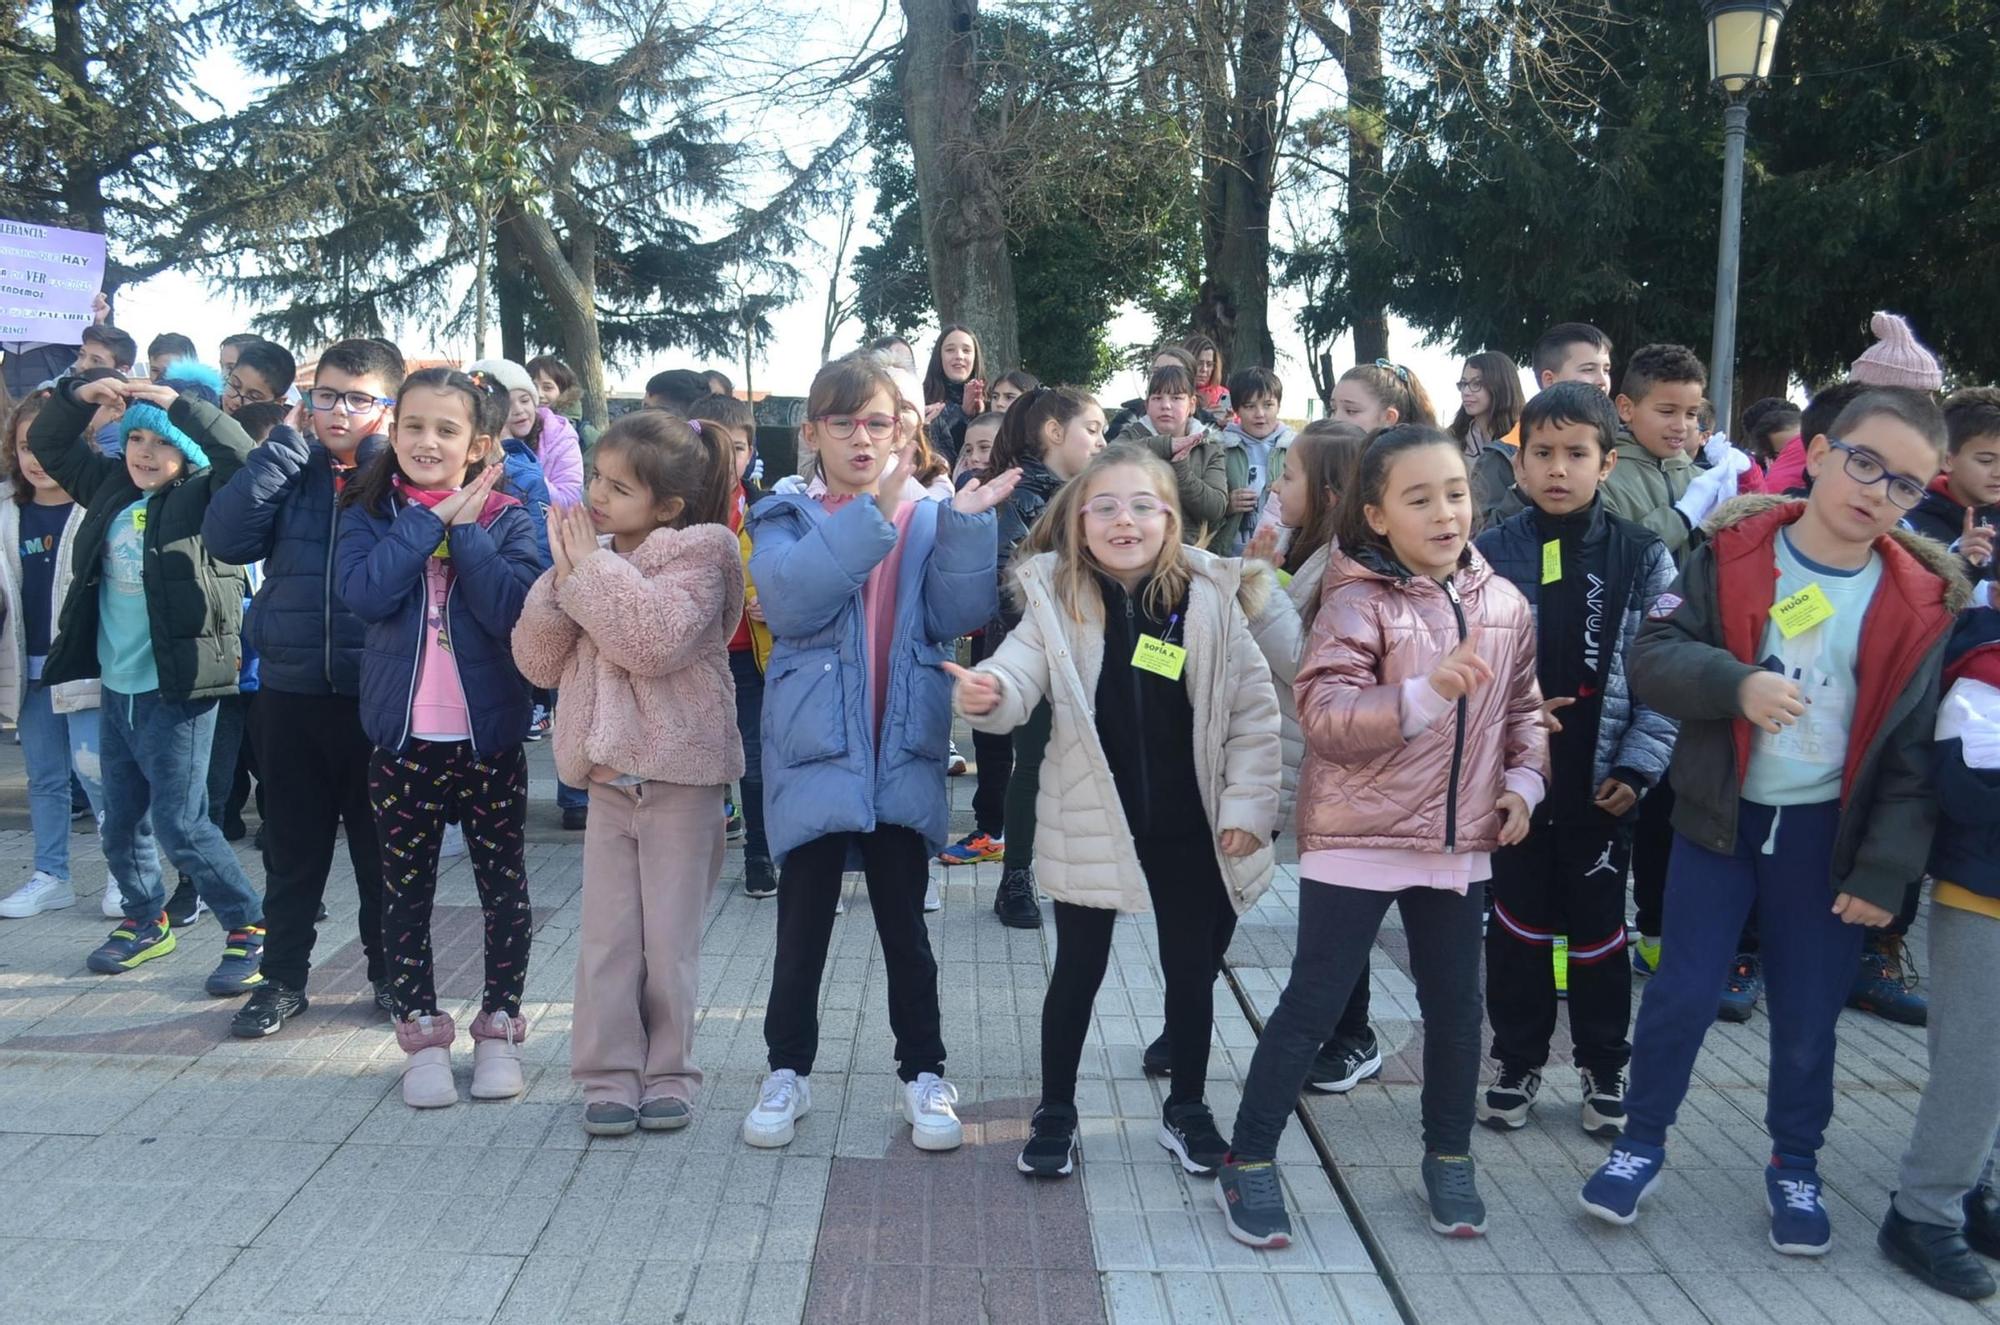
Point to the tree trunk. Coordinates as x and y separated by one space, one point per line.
570 285
964 215
1235 306
1361 236
482 276
510 294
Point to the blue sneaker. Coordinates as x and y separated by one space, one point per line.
239 970
1745 987
1886 983
1799 1226
1631 1170
131 943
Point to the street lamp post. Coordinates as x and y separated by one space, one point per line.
1742 35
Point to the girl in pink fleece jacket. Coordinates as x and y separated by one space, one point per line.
632 624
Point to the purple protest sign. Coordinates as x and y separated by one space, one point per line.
47 280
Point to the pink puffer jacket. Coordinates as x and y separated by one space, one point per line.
1362 784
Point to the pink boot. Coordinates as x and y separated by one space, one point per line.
427 1082
496 1056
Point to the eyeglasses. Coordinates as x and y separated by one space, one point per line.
325 398
248 396
1866 470
1471 384
840 427
1107 509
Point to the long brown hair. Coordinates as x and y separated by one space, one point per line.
1502 379
1326 451
939 387
1194 345
674 458
1397 388
1020 434
18 419
1060 530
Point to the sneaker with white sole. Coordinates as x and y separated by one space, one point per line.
927 1103
785 1098
113 905
1339 1068
496 1056
426 1045
1626 1176
1603 1103
934 895
42 892
1506 1102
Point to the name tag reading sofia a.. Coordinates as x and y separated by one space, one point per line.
1159 657
1801 611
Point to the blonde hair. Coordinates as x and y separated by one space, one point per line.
1060 530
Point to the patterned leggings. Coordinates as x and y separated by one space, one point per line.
411 792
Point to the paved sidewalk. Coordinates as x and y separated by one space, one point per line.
152 1169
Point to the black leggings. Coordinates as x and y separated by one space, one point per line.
1031 741
1194 919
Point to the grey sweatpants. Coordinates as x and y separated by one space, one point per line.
1952 1146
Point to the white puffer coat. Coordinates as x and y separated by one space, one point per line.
1083 844
1281 625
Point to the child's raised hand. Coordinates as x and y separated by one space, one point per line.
1976 543
1236 843
1263 545
1243 499
1770 701
1513 818
579 535
889 488
1853 911
1550 722
975 398
1461 672
981 495
157 393
103 391
472 497
976 694
1615 798
557 552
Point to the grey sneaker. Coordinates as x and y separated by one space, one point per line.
609 1118
1456 1210
1253 1204
665 1115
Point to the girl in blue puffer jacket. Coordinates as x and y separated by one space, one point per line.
865 581
437 561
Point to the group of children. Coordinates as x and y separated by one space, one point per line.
1464 665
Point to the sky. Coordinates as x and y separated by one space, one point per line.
207 313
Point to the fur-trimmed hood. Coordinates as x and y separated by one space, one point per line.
1934 556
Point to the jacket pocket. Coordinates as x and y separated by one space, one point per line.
805 707
926 724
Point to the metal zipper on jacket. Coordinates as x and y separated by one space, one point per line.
1458 736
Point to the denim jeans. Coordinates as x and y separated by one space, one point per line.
52 744
155 761
568 797
750 727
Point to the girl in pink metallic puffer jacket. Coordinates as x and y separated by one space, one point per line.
1425 751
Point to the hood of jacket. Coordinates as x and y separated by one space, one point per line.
1234 436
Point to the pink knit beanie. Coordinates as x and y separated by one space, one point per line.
1896 358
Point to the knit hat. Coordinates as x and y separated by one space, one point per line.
507 373
1896 358
196 381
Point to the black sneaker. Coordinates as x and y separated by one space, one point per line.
1339 1068
319 916
234 829
185 906
1982 1222
1603 1103
1188 1130
1506 1102
1456 1210
1158 1060
1253 1204
1051 1148
1015 902
1935 1254
610 1118
758 881
270 1007
576 818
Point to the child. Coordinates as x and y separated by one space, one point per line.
284 510
164 349
1589 577
1010 387
975 457
1199 458
1049 440
1488 427
1381 395
57 724
1254 442
1962 505
1896 359
264 372
955 383
1945 1208
556 385
105 346
547 435
864 587
636 635
1208 375
157 619
1424 753
1164 741
750 643
1573 352
1799 650
1770 425
437 561
1133 411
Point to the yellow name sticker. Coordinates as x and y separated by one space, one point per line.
139 520
1802 611
1159 657
1552 561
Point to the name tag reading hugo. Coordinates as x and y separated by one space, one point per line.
1159 657
1801 611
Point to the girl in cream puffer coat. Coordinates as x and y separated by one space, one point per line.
1160 785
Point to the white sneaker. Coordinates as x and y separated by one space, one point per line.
954 762
453 843
42 892
785 1098
933 898
496 1063
927 1104
113 906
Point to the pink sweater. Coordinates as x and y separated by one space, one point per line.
639 647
